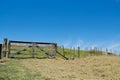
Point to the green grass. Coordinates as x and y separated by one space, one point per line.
13 70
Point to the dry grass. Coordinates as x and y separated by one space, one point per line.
89 68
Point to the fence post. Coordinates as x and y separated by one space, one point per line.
85 52
9 45
63 50
74 52
33 50
55 49
101 51
5 47
106 51
0 51
70 52
78 52
91 50
95 51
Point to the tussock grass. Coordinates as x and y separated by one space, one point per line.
85 68
89 68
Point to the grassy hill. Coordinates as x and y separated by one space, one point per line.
88 68
92 65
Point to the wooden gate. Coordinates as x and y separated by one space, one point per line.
22 49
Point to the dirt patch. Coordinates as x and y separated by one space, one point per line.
89 68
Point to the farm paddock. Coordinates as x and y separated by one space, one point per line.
87 65
88 68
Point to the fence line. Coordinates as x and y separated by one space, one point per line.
67 53
73 52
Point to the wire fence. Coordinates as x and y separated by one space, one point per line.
77 52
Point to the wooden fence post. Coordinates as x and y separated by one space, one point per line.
101 51
74 52
63 50
0 51
91 50
78 52
95 51
55 46
70 53
106 51
85 52
5 47
33 50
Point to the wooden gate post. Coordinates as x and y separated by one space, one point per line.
5 47
0 51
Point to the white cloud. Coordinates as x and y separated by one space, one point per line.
72 43
67 43
112 45
78 43
84 44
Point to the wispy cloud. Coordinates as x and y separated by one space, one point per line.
111 45
114 46
67 43
78 43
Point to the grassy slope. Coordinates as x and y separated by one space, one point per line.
91 67
88 68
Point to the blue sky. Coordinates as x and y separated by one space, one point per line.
86 23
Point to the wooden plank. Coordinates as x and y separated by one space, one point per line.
9 46
62 55
11 41
18 52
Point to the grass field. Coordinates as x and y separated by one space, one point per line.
88 68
